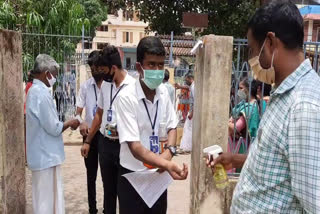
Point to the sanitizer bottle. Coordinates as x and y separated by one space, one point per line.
220 176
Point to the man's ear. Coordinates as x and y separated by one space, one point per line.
139 69
114 68
272 41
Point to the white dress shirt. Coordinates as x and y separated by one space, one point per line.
45 147
171 91
134 123
104 99
88 98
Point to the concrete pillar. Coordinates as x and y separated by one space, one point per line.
210 122
12 160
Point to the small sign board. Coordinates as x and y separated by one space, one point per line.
195 20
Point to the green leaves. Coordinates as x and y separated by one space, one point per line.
226 17
34 19
62 20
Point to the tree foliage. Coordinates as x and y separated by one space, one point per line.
226 17
51 17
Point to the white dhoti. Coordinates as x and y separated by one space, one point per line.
186 141
47 191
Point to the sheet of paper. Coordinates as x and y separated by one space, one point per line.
149 184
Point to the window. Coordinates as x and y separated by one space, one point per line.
87 45
131 37
103 28
318 34
128 62
101 45
127 37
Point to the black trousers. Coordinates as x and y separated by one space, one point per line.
109 164
131 202
91 163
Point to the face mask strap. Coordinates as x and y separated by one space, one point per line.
271 66
262 47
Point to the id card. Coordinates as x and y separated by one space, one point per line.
109 115
94 111
154 144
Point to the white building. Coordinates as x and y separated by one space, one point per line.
123 30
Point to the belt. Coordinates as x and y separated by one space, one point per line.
111 140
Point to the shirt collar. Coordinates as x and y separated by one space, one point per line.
93 82
293 78
141 94
40 83
126 80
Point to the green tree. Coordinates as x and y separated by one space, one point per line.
226 17
53 17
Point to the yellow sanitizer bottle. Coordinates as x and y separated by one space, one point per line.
220 176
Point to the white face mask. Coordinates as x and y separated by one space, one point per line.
51 81
242 95
264 75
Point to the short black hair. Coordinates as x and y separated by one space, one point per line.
110 56
93 57
189 75
150 45
166 75
281 17
266 88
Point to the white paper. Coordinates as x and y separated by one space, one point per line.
149 184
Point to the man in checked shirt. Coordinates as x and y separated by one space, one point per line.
281 172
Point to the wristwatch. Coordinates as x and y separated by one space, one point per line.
173 150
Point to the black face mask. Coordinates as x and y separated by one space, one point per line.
98 77
108 77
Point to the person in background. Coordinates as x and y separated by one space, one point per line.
28 86
88 99
244 122
141 108
72 85
45 148
169 87
263 94
280 173
186 141
183 106
116 79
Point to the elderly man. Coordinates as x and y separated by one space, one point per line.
45 152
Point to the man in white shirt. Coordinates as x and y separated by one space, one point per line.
169 87
141 108
115 80
88 99
45 149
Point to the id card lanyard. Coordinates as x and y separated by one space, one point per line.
155 118
153 140
95 93
109 114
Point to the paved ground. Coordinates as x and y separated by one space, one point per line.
75 189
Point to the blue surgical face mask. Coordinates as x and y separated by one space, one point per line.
153 78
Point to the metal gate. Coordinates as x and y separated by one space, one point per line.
240 70
70 52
